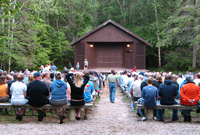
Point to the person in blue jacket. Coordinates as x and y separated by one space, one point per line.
58 89
89 88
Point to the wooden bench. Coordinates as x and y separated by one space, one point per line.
149 112
72 112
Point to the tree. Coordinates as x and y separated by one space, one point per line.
183 28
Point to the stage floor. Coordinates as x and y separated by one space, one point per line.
108 70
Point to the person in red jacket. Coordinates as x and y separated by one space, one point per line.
190 95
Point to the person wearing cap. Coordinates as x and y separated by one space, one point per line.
37 94
113 82
190 95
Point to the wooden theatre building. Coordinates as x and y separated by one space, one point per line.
110 46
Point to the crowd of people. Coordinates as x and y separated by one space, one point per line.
165 88
49 86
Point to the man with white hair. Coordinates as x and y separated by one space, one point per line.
190 95
135 91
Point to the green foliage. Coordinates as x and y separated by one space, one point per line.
43 29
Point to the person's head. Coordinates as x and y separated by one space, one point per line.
58 75
174 78
8 77
20 77
78 80
168 77
46 75
37 76
140 77
158 78
41 67
189 78
30 78
2 79
198 75
52 75
180 75
149 80
15 76
4 73
113 72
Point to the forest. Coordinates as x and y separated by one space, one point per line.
36 32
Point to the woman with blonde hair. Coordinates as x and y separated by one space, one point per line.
77 90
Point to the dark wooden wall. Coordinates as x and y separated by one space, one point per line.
107 39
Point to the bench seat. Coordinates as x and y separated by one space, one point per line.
48 106
149 112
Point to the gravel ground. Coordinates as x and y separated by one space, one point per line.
106 119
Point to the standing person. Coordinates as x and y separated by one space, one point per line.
150 95
112 80
77 66
18 93
70 65
134 69
189 95
77 90
167 94
58 90
37 94
53 67
85 64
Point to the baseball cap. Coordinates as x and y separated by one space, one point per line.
36 74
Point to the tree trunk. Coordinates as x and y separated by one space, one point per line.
2 28
194 59
157 34
9 59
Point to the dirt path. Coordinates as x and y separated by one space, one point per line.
106 119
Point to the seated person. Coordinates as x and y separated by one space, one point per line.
58 89
77 90
37 94
89 88
150 95
18 94
3 89
190 95
167 94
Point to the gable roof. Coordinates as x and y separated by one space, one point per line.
115 24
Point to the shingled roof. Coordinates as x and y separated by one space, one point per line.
115 24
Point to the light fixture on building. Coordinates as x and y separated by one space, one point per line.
91 45
128 45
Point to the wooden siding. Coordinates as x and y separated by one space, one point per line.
110 49
109 55
140 56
